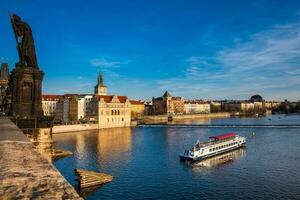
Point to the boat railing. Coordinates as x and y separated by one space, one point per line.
205 144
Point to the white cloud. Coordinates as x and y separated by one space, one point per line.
103 62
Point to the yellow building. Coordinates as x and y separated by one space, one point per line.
113 111
196 107
239 106
137 109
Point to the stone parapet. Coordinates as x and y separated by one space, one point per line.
24 173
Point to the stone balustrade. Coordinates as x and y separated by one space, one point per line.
24 173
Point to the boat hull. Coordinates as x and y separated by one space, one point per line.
193 159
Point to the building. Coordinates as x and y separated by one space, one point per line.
215 106
167 104
49 104
113 111
137 109
66 110
259 103
238 106
148 108
4 84
58 115
109 110
196 107
271 105
75 107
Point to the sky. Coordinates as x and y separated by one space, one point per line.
208 49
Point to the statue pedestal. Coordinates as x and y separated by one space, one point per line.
26 88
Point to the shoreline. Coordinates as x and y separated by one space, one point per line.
57 129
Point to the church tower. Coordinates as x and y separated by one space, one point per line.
100 88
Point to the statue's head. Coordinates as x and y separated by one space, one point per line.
16 17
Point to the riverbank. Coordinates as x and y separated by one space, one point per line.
145 120
25 173
164 118
74 127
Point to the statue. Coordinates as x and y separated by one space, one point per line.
26 49
26 78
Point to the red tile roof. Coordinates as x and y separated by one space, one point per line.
108 98
51 97
136 102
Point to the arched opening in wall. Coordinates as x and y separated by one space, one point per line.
122 119
118 112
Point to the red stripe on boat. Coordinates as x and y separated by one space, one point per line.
223 136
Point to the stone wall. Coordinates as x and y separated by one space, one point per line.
74 127
24 173
164 118
195 116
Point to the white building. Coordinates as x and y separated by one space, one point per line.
196 107
49 104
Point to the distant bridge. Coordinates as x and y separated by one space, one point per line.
222 125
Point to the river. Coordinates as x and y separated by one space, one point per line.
145 164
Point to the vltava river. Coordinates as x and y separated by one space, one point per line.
145 164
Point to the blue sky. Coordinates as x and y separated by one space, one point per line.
195 49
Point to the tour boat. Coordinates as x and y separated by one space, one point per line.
216 145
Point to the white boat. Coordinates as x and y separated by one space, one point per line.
216 145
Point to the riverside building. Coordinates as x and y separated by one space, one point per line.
109 110
4 79
167 104
137 109
49 103
196 107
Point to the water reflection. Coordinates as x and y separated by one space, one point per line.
113 142
218 160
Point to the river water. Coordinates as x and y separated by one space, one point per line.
145 164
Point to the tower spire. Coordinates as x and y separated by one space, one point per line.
100 88
100 79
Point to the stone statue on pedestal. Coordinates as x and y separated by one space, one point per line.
26 78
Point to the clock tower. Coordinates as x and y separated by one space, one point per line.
100 88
